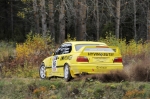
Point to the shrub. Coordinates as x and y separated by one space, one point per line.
130 51
33 50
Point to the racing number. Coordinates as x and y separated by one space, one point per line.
54 64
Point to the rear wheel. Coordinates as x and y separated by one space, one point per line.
67 75
42 71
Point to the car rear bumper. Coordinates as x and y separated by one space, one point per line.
94 68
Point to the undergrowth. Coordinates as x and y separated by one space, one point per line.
24 59
58 89
131 51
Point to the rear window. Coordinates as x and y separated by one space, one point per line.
99 50
78 46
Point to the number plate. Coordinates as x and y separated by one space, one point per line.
100 59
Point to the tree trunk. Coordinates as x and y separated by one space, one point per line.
117 25
134 8
36 16
148 23
43 14
51 19
12 21
76 19
97 19
82 20
62 22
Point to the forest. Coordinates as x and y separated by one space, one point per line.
31 30
81 19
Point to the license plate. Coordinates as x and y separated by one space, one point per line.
100 59
101 67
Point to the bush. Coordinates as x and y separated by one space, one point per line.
33 50
130 51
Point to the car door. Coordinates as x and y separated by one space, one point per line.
59 59
55 60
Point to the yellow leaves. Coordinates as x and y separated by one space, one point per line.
33 46
134 93
21 14
132 48
23 50
26 1
70 39
40 89
43 92
53 87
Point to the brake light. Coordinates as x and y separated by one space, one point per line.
118 59
82 59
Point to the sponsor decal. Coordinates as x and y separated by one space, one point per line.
54 63
66 57
100 54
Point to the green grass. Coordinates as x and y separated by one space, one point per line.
26 88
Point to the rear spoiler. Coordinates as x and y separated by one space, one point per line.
114 48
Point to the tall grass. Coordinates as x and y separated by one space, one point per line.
6 50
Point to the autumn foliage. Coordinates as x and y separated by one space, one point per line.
33 50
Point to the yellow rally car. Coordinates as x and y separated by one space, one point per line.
81 57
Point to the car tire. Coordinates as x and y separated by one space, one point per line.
42 72
67 75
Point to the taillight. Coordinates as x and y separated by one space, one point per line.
117 59
82 59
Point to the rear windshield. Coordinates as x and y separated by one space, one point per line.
98 50
78 46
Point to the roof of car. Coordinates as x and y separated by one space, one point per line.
86 42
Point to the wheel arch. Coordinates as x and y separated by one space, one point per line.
71 71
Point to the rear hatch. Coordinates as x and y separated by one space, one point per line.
100 54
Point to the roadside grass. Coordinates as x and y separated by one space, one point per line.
28 88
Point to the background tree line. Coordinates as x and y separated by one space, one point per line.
83 19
